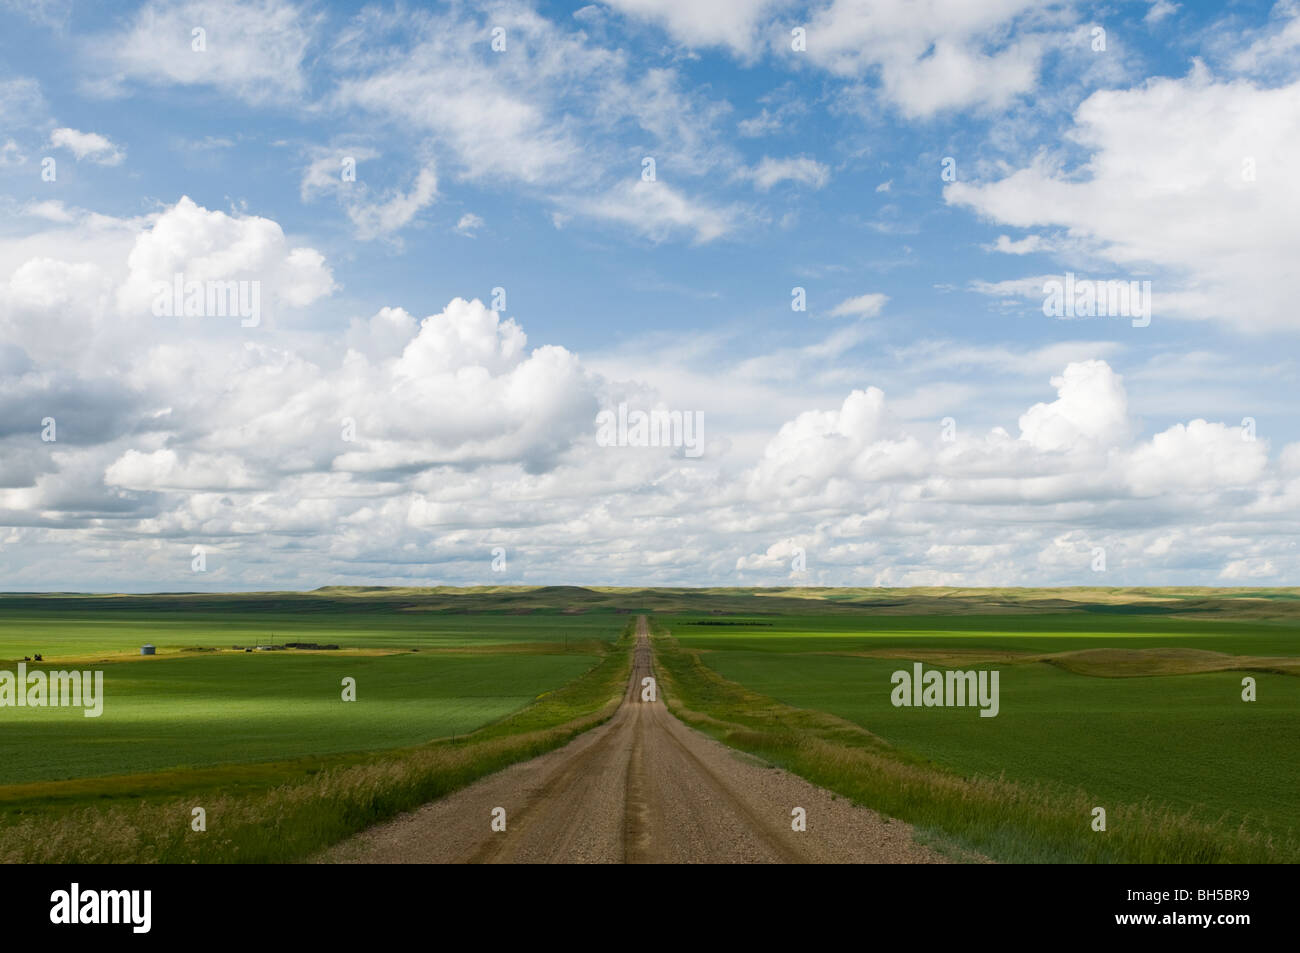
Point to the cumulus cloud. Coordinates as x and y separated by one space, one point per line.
1199 456
876 503
1090 407
77 294
204 245
388 438
956 56
1184 176
87 145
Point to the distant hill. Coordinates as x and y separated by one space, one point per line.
1273 604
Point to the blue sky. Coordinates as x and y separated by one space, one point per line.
1162 154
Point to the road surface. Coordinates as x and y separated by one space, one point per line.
641 788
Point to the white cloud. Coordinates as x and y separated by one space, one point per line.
396 209
805 171
165 470
468 224
208 245
52 210
373 215
1248 569
1187 176
1091 407
1274 47
87 145
255 49
1198 455
324 173
863 306
658 211
550 118
734 24
1024 246
954 56
1160 9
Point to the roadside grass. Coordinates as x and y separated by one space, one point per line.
1007 821
1186 740
293 821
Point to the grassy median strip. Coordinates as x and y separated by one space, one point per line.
1006 821
294 820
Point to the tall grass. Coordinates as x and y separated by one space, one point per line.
296 820
1006 821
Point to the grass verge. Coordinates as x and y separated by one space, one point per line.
292 821
1005 821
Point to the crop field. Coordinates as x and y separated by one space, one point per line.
224 708
1129 700
1126 707
182 713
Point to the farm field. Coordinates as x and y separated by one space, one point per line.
68 630
174 713
202 714
1078 710
1128 699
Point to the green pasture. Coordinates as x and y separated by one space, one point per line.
1063 632
1186 741
171 713
68 630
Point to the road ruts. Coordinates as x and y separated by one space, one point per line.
642 788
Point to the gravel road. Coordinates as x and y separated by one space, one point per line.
642 788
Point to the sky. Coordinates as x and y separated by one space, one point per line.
296 294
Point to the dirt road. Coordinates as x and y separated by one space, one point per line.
642 788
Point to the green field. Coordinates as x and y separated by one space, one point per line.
185 712
78 632
1078 711
420 675
1124 698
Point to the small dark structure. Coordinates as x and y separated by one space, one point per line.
147 649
